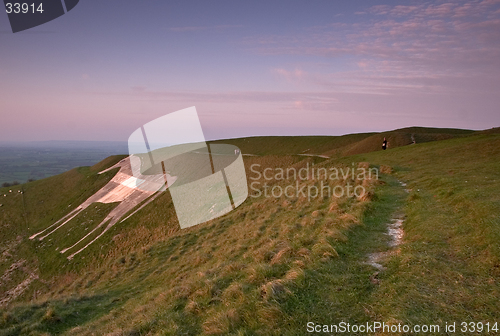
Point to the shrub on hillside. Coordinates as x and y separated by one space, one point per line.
7 184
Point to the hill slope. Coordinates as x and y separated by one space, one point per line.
342 145
274 263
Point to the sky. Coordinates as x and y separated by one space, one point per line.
252 68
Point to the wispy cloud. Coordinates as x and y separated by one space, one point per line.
290 75
225 96
424 47
202 28
280 102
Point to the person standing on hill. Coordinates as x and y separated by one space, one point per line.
384 144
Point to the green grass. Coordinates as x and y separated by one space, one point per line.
449 266
340 145
58 316
164 284
40 204
271 266
212 277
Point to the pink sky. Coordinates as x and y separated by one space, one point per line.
307 68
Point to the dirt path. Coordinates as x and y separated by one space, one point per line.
396 233
315 155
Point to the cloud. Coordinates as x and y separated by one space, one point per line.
290 75
362 64
445 9
275 101
380 9
423 47
228 96
138 88
403 10
202 28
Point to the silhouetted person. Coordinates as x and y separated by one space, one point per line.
384 144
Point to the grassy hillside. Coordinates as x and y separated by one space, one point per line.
273 264
33 206
342 145
270 145
449 267
234 273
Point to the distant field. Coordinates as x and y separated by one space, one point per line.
21 162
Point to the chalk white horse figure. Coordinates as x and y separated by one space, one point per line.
211 181
121 188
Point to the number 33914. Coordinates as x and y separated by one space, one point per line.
23 8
